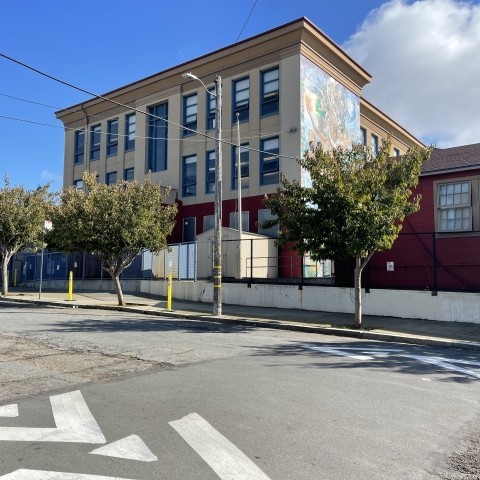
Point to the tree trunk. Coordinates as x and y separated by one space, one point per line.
6 256
118 287
4 276
358 291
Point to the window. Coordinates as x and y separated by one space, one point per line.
211 108
455 207
208 222
112 137
244 167
265 214
78 184
396 152
189 176
158 137
95 138
374 145
269 163
190 113
363 135
129 174
130 130
78 154
210 172
241 99
269 100
234 220
111 178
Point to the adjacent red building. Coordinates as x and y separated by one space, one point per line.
439 246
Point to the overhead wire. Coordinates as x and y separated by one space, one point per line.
102 133
239 35
102 97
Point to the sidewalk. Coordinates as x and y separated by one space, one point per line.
423 332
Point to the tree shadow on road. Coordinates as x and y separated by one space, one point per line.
144 324
447 365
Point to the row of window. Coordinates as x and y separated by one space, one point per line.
269 168
374 143
158 121
110 178
189 224
95 133
269 101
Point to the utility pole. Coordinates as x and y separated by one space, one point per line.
217 254
217 240
239 180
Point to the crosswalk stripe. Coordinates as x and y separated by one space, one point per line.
25 474
223 457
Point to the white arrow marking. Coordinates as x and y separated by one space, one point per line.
9 410
225 459
72 417
131 448
24 474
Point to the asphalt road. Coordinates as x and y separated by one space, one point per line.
209 401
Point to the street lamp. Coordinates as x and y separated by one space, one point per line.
217 247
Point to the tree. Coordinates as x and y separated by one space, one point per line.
22 221
354 207
117 222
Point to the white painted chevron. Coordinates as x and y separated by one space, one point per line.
73 420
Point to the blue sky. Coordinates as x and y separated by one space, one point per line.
105 45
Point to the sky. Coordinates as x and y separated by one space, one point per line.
423 55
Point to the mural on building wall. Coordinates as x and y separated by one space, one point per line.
330 113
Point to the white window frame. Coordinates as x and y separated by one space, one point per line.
454 206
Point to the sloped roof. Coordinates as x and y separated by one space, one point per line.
464 157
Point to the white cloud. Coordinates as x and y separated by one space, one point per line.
424 57
49 176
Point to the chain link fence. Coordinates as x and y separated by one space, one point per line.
420 261
252 259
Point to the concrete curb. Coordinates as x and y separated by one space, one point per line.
274 324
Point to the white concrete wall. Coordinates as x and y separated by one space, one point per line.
446 306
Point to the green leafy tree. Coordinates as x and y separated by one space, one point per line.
117 222
354 207
22 221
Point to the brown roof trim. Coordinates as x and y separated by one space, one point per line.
429 173
453 159
334 44
223 49
389 119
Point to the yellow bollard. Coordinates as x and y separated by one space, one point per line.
70 286
169 293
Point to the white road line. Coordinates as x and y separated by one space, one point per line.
443 363
130 448
225 459
446 363
72 417
337 351
24 474
9 410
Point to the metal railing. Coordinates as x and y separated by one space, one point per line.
420 261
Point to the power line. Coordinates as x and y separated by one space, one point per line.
192 140
224 130
27 101
102 97
241 31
